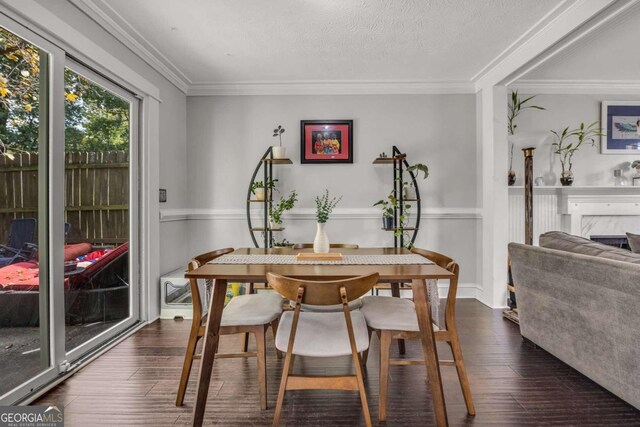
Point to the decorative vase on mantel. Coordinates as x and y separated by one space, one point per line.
512 177
321 242
566 178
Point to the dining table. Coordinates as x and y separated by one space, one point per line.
251 265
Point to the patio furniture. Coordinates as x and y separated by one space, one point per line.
330 334
243 314
21 233
395 318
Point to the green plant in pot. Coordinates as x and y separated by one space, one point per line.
278 151
409 191
276 210
324 206
387 213
516 106
568 142
258 188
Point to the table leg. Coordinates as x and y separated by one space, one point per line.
395 292
423 311
211 337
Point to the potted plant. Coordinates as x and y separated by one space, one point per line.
409 191
258 188
324 207
635 180
516 106
387 213
284 243
283 205
566 149
278 151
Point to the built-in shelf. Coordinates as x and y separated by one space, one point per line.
258 201
278 161
266 229
410 200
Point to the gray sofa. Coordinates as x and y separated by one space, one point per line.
580 301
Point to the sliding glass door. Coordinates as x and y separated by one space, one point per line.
101 295
69 277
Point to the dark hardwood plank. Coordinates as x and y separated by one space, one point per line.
513 383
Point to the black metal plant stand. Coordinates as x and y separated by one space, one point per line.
266 164
400 165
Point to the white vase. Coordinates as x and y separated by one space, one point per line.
321 242
279 152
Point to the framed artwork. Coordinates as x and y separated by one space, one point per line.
620 127
326 141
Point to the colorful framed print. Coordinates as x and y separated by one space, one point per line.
620 127
326 141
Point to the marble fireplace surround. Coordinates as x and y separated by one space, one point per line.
582 211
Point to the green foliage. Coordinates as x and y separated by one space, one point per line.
516 106
259 184
95 119
419 167
283 205
582 134
325 205
278 132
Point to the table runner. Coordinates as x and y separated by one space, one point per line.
346 260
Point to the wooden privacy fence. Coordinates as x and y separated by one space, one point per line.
96 194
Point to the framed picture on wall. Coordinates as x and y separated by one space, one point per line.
326 141
620 127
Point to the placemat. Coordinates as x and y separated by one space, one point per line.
346 260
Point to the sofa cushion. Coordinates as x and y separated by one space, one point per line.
579 245
634 242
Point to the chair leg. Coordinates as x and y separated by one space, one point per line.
363 394
286 371
245 342
385 350
186 366
274 328
395 292
260 333
456 349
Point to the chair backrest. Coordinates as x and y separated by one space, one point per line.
21 231
322 292
331 245
439 259
201 289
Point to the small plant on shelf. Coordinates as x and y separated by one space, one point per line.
283 205
258 188
407 188
565 149
278 151
517 106
324 206
284 243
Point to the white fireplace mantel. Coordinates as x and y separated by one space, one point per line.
565 209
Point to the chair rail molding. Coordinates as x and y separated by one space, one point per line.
167 215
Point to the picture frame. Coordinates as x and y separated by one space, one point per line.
620 126
326 141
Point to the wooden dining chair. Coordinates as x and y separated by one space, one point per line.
247 314
395 318
331 246
315 334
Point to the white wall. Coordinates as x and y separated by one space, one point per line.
228 134
172 140
590 168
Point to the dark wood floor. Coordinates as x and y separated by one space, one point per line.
513 384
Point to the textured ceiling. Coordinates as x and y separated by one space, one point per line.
336 40
609 54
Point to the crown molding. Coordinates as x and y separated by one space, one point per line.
116 25
372 87
578 87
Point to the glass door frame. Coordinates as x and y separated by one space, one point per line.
50 299
134 216
51 175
